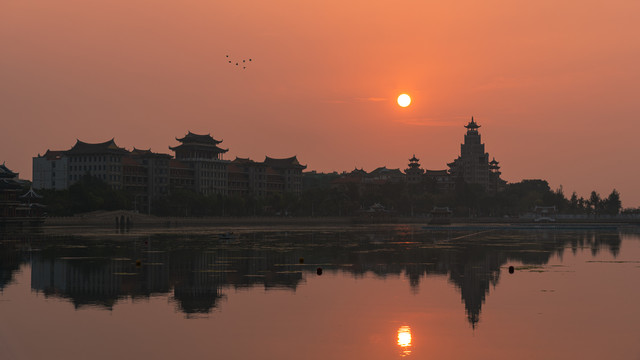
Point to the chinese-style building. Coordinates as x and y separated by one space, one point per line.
202 154
51 171
288 170
102 160
198 166
16 208
414 172
473 165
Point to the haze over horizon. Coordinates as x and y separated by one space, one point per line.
554 85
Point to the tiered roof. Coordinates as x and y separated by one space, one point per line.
192 139
200 139
472 125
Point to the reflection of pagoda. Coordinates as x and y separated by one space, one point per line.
414 172
204 157
473 164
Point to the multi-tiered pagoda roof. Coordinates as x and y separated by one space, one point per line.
191 140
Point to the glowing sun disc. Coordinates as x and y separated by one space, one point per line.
404 100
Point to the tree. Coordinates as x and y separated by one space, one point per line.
612 203
594 202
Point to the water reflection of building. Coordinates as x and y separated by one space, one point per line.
196 271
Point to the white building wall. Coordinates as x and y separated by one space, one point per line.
50 174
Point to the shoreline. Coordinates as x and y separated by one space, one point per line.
132 219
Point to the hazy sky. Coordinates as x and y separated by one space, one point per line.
554 84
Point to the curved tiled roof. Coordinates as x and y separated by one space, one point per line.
82 147
290 162
472 125
200 139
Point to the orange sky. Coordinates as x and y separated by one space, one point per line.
554 85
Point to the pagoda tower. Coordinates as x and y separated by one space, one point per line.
414 172
473 165
202 154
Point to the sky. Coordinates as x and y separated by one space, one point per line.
554 84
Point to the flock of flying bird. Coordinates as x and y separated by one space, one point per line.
244 62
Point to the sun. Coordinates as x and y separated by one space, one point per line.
404 100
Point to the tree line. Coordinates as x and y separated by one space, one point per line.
320 197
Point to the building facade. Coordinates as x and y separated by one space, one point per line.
51 171
202 154
198 166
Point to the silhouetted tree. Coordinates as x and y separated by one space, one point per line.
612 204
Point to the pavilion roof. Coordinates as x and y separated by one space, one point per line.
414 159
5 172
191 145
472 125
30 195
200 139
82 147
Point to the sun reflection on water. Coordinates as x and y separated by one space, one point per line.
404 340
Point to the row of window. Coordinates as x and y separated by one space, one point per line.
75 177
115 168
92 158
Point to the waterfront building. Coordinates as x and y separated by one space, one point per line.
202 154
198 166
102 160
180 175
472 166
284 175
51 170
16 208
247 177
156 171
9 190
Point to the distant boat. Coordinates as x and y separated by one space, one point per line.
440 216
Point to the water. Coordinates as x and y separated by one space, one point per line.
383 293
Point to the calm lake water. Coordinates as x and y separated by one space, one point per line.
321 293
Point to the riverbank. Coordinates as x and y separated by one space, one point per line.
133 219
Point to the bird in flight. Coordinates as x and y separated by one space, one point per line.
237 62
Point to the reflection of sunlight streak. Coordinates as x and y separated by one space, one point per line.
404 340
